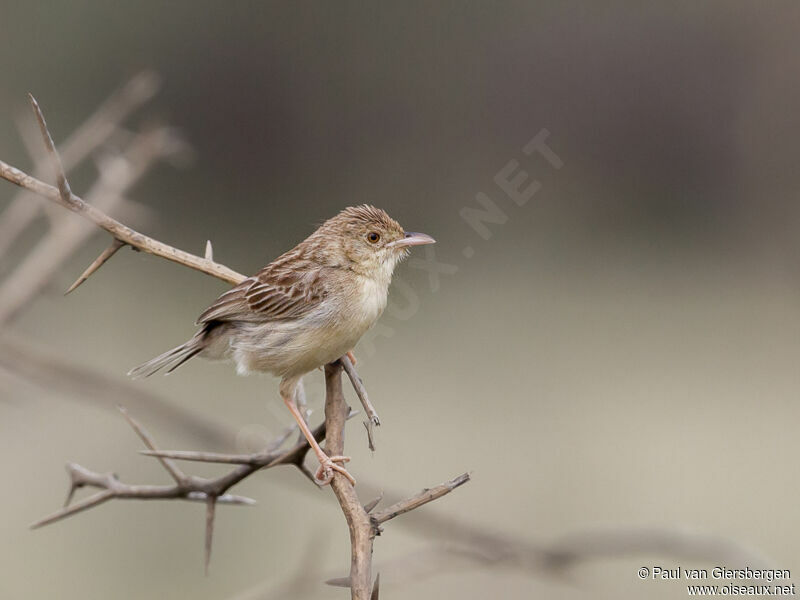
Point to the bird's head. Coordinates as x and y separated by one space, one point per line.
370 240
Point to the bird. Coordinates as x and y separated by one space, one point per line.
307 308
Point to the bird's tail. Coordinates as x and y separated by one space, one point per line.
171 358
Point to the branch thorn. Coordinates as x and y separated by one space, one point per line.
63 184
168 464
370 506
376 587
96 264
211 505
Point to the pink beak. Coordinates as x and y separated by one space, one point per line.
412 239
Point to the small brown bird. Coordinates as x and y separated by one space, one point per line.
305 309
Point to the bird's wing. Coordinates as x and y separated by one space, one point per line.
275 293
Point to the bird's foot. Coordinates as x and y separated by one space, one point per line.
352 357
327 465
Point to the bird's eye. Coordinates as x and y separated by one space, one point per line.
373 238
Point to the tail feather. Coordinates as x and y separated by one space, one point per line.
171 358
183 359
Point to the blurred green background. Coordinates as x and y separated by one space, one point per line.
621 352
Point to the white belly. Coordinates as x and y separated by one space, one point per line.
289 348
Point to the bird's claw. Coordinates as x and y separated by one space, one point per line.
328 465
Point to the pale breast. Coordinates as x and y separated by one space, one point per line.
299 346
372 300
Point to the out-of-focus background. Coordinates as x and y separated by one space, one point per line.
620 355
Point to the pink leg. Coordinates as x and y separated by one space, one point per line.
352 357
327 464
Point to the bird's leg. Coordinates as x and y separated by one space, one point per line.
302 406
327 464
352 357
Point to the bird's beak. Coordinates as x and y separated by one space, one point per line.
412 239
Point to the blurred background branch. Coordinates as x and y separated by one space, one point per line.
106 121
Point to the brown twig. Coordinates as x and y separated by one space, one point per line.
425 496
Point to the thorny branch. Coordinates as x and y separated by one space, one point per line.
186 487
363 527
121 232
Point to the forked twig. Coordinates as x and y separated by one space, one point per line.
44 262
118 230
186 487
94 132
